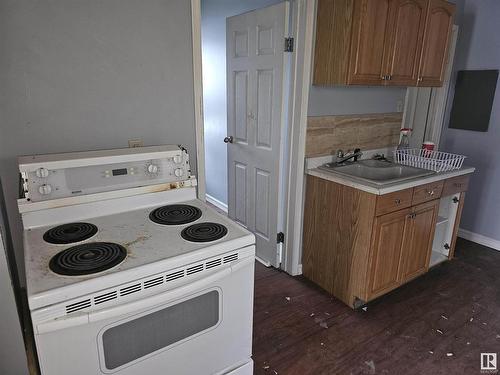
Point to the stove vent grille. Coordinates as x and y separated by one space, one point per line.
158 280
80 305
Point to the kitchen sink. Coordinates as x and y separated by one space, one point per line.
378 172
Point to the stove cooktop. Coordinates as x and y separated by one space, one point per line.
149 247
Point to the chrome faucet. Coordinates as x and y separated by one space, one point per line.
342 158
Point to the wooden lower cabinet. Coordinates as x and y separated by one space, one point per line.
358 251
417 244
385 258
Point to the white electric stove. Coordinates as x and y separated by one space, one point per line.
127 272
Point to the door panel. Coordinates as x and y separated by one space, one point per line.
240 191
255 71
434 55
407 24
262 199
240 105
370 31
417 245
265 80
386 252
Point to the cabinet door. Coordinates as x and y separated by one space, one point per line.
406 30
368 40
434 54
388 235
417 244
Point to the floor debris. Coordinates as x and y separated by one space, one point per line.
288 299
444 317
449 354
371 365
431 352
312 314
439 331
323 325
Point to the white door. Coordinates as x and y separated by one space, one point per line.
255 102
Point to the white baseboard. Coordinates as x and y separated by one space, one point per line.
262 261
217 203
299 269
479 238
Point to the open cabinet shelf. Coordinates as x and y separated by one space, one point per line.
443 234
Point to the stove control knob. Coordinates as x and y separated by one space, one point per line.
178 159
42 172
153 168
179 172
45 189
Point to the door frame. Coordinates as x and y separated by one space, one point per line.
433 109
302 29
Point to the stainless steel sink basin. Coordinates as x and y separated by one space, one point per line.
378 172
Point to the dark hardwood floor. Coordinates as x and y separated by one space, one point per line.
437 324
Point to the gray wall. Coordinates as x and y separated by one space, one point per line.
213 26
84 75
479 48
346 100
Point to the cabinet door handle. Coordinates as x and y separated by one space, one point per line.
383 78
397 201
389 77
419 79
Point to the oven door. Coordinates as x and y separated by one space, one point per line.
203 327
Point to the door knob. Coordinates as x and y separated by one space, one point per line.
228 139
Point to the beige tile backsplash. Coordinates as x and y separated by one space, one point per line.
326 134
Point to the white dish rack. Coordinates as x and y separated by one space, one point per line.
433 160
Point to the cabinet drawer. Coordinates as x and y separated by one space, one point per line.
455 185
427 192
393 201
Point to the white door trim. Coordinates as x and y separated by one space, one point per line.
439 95
304 16
198 96
431 102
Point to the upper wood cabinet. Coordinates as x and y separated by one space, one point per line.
406 30
438 30
368 40
382 42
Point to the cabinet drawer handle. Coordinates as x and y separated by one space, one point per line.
458 184
397 201
430 192
419 79
412 215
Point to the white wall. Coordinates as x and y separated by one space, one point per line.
84 75
478 47
347 100
213 26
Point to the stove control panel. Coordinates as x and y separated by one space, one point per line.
48 181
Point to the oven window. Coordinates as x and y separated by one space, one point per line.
139 337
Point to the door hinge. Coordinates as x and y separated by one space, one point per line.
280 238
288 44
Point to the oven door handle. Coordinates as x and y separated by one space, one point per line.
141 304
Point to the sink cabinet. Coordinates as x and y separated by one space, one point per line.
382 42
359 246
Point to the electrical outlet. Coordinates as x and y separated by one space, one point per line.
135 142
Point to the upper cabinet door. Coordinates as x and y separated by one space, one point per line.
434 55
406 30
369 34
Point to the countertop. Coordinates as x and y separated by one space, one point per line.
378 190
